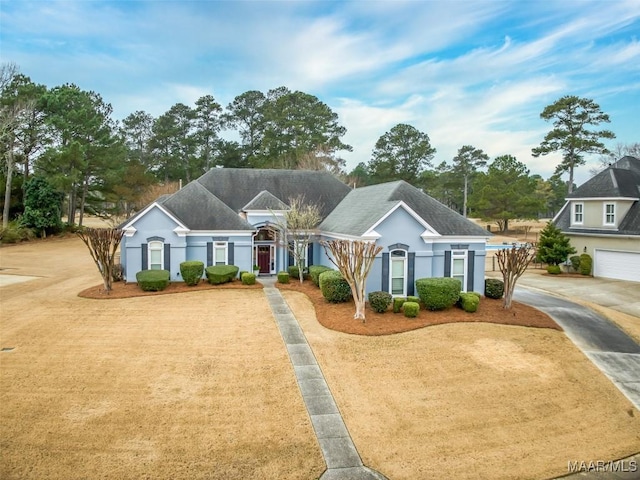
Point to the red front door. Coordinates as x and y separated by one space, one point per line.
264 258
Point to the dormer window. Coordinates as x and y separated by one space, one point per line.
609 213
578 213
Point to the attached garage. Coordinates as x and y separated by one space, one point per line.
617 264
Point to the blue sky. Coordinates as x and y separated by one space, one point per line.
464 72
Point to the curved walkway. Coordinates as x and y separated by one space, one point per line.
339 452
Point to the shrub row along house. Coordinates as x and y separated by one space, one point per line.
602 218
227 217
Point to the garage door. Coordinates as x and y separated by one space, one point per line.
617 264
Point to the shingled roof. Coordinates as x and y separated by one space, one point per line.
265 201
237 187
363 207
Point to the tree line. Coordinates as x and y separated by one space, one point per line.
67 136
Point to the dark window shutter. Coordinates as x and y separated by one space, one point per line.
145 258
411 273
167 256
209 254
470 269
230 253
447 263
385 272
310 254
291 260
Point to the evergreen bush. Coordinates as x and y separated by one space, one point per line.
192 271
248 278
469 301
585 264
219 274
493 288
315 271
397 304
411 309
575 262
153 280
380 301
554 247
554 269
413 299
283 277
334 287
438 293
294 271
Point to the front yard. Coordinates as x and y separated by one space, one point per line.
198 385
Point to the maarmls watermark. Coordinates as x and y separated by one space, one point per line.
575 466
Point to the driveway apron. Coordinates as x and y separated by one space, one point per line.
339 452
615 353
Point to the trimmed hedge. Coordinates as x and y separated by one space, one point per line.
315 271
241 272
554 269
585 264
192 271
153 280
411 309
397 304
218 274
334 287
469 301
283 277
575 262
413 299
294 271
438 293
380 301
493 288
248 278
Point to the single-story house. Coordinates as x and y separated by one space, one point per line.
227 217
602 218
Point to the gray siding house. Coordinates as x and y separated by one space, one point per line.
227 217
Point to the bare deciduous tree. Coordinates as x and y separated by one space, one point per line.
103 244
354 259
513 262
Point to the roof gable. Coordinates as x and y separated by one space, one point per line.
622 179
265 201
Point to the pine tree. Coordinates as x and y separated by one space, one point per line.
553 247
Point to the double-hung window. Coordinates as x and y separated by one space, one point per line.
220 255
459 267
156 255
609 213
578 213
398 270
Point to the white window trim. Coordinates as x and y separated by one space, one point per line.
605 214
457 255
404 273
574 213
221 246
153 246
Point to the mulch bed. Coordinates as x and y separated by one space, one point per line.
340 316
129 290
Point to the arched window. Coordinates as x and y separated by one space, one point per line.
398 272
156 255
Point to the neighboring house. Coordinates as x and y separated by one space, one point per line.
227 217
602 218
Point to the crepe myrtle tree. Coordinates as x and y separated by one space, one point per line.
354 259
513 262
103 244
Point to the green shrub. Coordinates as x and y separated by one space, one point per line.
15 233
294 271
153 280
192 271
315 271
218 274
411 309
241 272
554 269
493 288
248 278
575 262
334 287
283 277
469 301
380 301
397 304
438 293
585 264
413 299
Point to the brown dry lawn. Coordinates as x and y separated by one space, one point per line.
197 385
